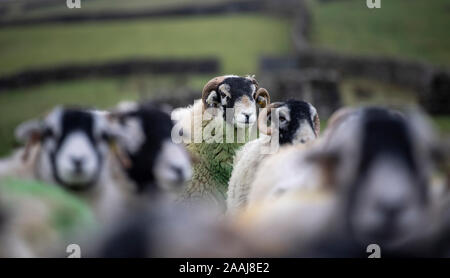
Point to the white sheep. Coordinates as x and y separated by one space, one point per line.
293 122
149 161
38 220
377 163
69 148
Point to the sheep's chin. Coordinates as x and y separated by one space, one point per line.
243 124
79 186
171 187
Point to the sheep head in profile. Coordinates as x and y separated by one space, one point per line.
239 95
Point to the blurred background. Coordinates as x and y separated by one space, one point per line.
331 53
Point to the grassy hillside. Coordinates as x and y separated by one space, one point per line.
16 9
237 40
413 29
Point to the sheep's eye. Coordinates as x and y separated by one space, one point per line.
48 133
282 119
223 94
105 137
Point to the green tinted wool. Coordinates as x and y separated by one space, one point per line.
212 173
67 213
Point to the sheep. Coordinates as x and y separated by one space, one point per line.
230 107
69 148
148 159
377 162
162 229
38 220
298 122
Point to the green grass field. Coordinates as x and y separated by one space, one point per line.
16 10
238 41
413 29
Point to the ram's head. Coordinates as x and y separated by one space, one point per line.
241 96
295 121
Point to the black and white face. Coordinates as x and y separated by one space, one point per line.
388 197
388 207
74 143
296 121
172 166
238 96
145 135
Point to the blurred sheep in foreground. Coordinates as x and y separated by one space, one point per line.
69 148
149 161
367 182
99 157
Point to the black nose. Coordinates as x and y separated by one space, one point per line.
392 211
179 173
77 164
247 117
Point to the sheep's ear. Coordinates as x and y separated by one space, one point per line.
29 133
327 161
30 130
315 120
213 99
440 155
112 134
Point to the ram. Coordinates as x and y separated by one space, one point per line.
292 122
218 124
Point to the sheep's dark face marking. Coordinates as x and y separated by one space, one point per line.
238 94
155 159
295 121
74 144
387 201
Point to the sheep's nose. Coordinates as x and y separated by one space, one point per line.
247 117
78 164
392 211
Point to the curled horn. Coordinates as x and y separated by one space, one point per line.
210 86
263 93
316 123
262 119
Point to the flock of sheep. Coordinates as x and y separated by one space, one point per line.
233 175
